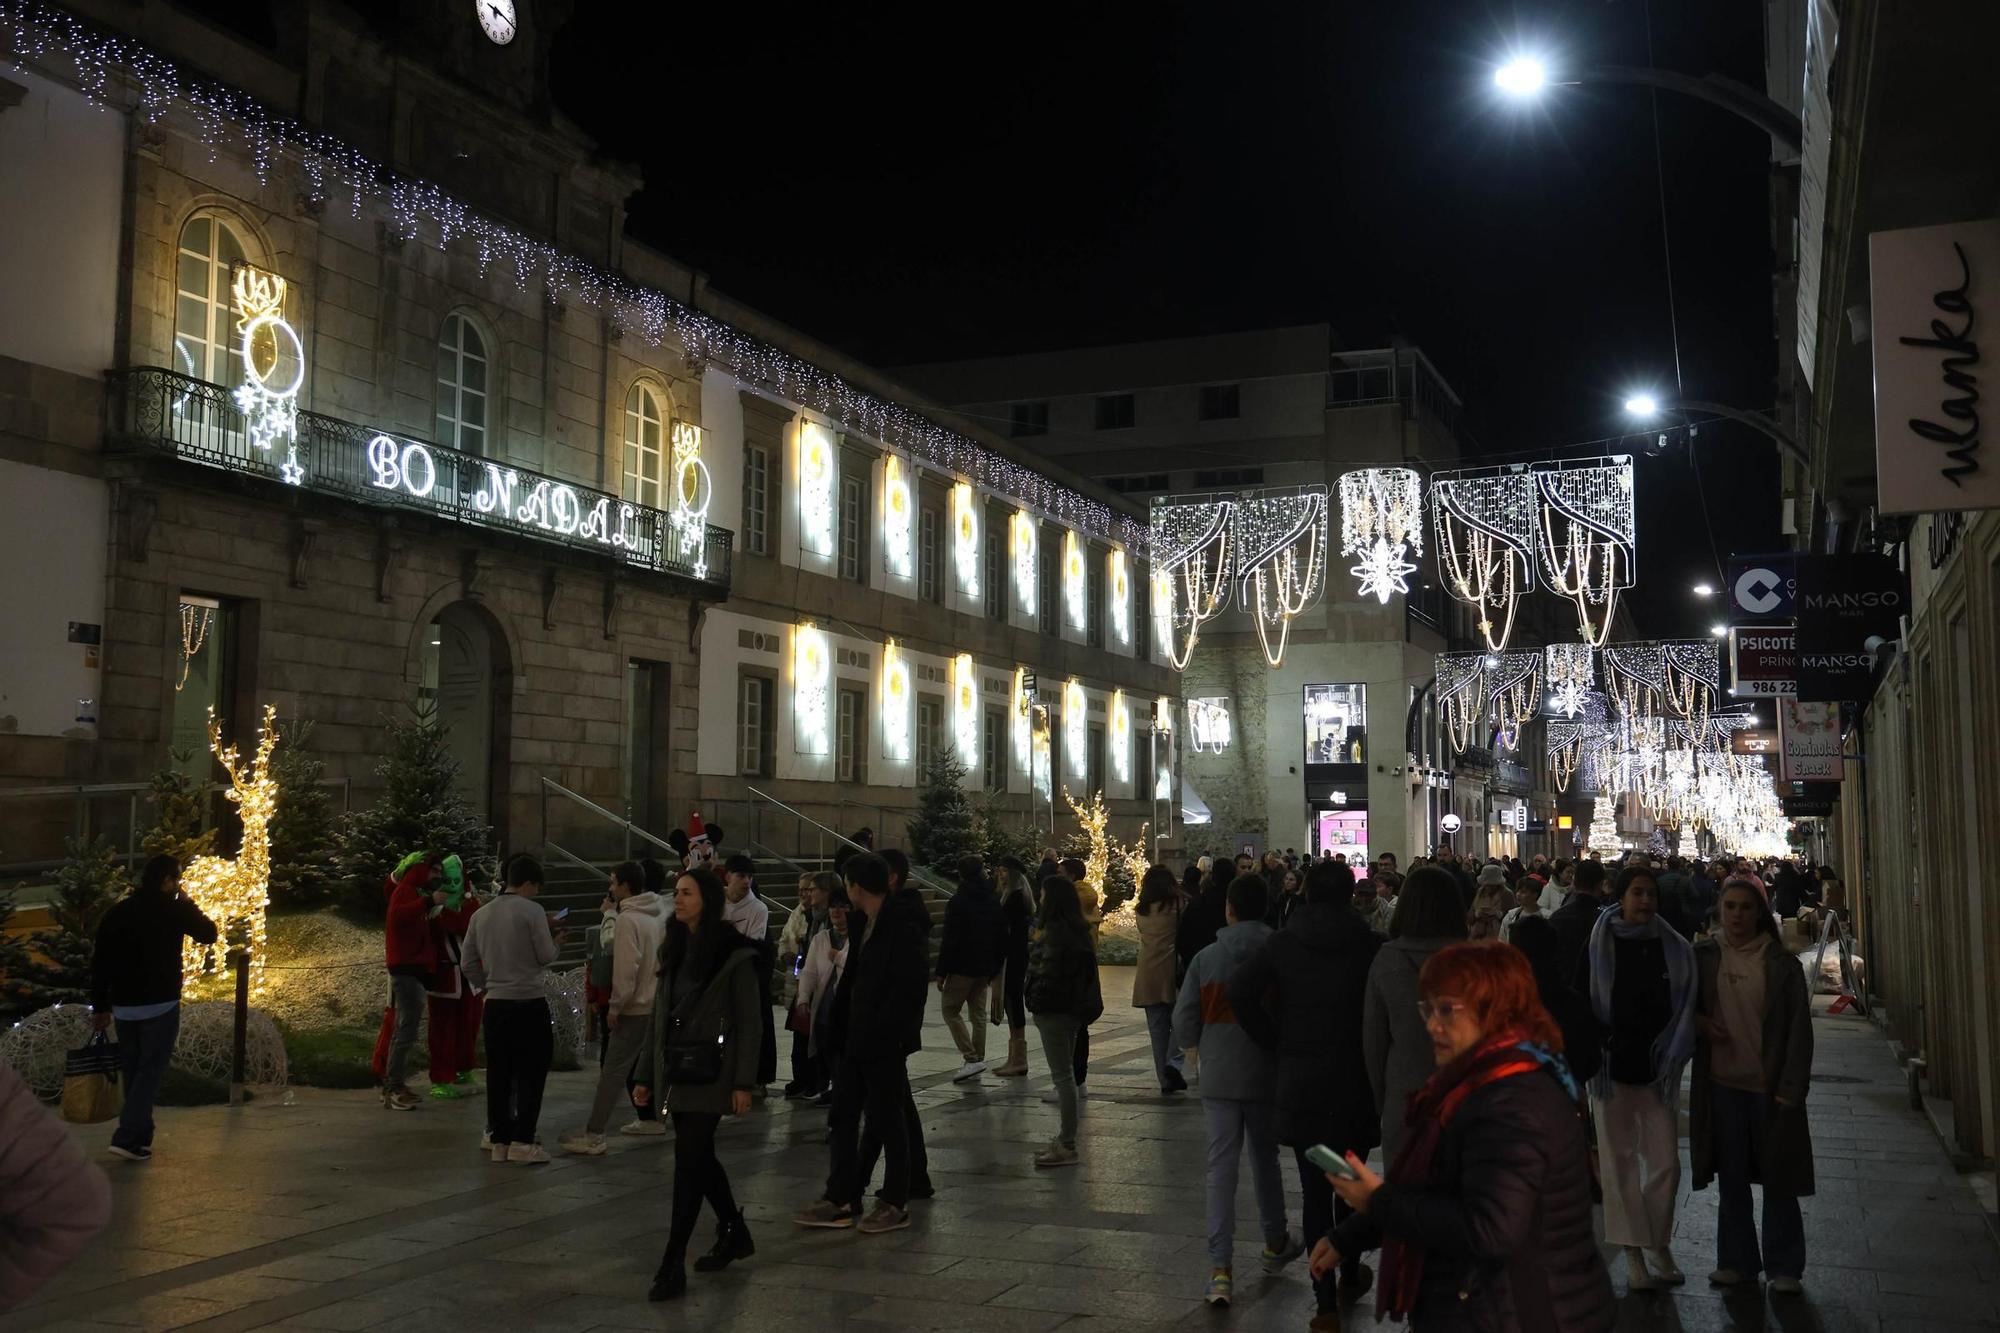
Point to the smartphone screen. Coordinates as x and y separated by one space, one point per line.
1326 1159
562 915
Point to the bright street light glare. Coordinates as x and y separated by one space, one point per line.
1704 590
1719 631
1642 405
1523 76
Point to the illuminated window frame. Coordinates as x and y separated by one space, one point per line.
645 446
965 714
1118 727
1021 541
1076 733
896 701
1075 582
966 531
818 470
1119 597
812 690
898 519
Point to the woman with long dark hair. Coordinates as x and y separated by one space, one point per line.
1484 1219
701 1055
1747 1104
1154 985
1064 996
1430 913
1017 909
1643 987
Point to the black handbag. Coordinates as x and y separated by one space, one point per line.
691 1061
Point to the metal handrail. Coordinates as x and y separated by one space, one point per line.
915 873
627 825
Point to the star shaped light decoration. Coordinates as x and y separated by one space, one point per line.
1383 572
291 471
1567 697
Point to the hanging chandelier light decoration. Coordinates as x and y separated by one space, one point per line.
1484 526
1571 739
1192 562
1461 696
1692 674
1571 672
1513 690
1635 675
1280 540
1586 532
1381 522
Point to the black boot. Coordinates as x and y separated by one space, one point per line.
670 1282
732 1242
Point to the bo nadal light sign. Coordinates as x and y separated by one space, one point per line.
546 506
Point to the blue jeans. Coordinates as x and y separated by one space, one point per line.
1160 1027
144 1047
1230 1122
1738 1124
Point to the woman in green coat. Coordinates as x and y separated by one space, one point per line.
701 1054
1747 1109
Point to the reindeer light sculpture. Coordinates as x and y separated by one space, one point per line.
235 894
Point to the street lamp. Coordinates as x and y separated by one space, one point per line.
1645 406
1525 75
1704 590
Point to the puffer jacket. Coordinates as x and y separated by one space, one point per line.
1509 1242
1232 1065
1062 976
975 933
878 1006
1301 996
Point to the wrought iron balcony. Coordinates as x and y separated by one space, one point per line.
199 422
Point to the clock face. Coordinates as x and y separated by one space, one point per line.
497 18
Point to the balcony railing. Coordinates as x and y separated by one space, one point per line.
200 423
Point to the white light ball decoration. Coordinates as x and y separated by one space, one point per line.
35 1047
1381 522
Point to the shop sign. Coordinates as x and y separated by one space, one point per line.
1565 822
1761 586
1763 661
1451 823
1843 601
1753 740
1538 825
1809 742
1806 807
1931 292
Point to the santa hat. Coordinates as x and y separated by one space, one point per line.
697 831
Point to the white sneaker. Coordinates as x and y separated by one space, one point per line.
968 1071
648 1127
584 1145
485 1140
527 1154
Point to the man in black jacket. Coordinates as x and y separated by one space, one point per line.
135 977
878 1016
911 897
1575 919
969 956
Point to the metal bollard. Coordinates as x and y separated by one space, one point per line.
240 1037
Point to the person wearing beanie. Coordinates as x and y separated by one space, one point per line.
1490 901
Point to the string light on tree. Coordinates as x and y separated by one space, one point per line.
1381 521
1280 541
1603 837
235 893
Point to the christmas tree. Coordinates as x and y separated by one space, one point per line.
58 970
178 803
1603 828
419 809
944 828
15 961
302 833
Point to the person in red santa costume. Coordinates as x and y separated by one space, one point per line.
429 909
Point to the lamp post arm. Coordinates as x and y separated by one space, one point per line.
1763 425
1738 99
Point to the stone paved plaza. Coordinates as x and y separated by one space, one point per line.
328 1213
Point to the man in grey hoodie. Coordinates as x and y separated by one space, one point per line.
638 923
1239 1088
509 945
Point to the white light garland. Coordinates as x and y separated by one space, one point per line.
1572 674
1192 556
1280 541
1514 689
1692 676
1076 733
109 68
1461 695
1118 578
965 537
816 470
1381 520
692 490
1208 724
1118 727
274 366
1074 581
812 674
895 703
898 546
1485 529
1023 535
1586 535
965 709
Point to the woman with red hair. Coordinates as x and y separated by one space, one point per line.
1484 1221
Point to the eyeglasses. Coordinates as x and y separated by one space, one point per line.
1442 1010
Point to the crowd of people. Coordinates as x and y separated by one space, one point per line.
1507 1040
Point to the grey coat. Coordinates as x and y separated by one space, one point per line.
1785 1156
729 1009
1394 1043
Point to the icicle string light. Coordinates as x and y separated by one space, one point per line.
108 68
1484 525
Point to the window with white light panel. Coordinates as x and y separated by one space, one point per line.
1021 540
1075 582
1119 597
894 705
812 684
1119 723
817 472
1076 733
898 519
965 538
965 710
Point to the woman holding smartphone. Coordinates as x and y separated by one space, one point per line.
701 1056
1747 1104
1485 1219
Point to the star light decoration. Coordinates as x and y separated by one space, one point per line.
1586 535
274 367
1280 541
1192 559
1382 520
1571 669
235 893
1461 695
1484 525
113 70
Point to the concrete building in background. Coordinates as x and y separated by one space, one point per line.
1337 747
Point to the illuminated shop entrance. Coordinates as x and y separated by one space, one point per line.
1336 768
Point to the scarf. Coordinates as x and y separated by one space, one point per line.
1431 1107
1675 1044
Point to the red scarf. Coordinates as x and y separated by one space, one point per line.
1431 1108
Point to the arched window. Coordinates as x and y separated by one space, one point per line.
644 460
205 340
461 391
